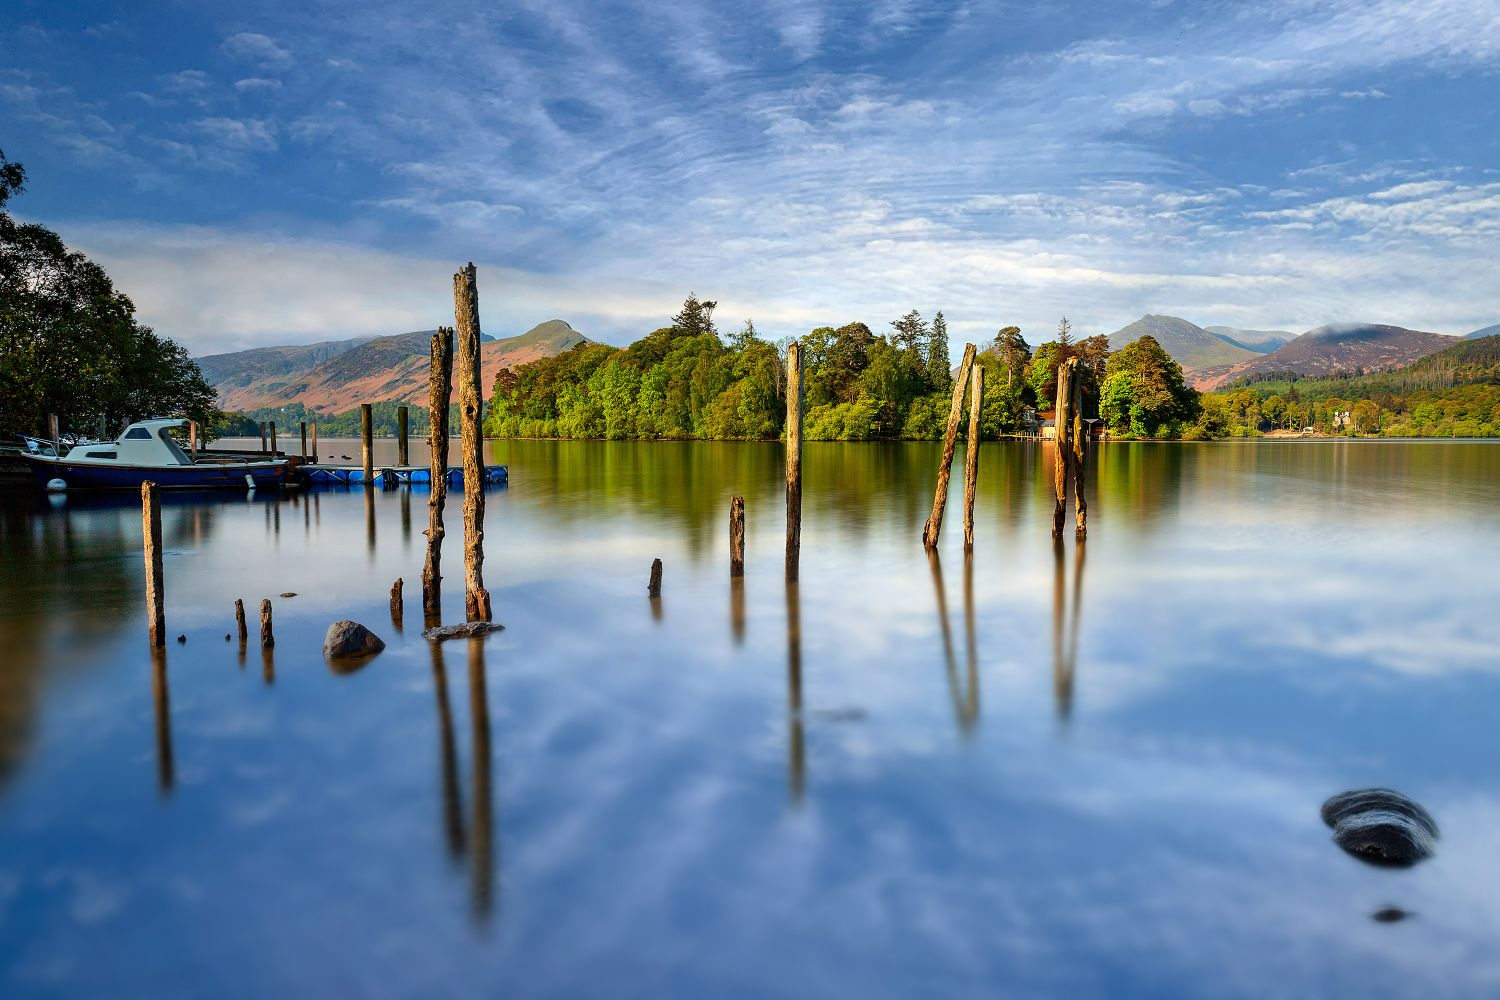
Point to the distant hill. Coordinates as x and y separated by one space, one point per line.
1466 362
1337 350
1191 346
335 376
1488 331
1259 341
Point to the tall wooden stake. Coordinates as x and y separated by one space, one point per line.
193 439
736 536
971 455
366 437
1080 504
262 435
156 615
273 439
470 403
1062 450
54 433
793 460
302 430
934 526
401 450
315 443
439 389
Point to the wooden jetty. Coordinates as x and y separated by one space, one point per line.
317 474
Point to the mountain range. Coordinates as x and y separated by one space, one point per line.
335 376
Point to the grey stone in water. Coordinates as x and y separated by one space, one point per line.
348 639
1389 915
290 593
464 630
1381 827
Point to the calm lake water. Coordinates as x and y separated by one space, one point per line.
1087 772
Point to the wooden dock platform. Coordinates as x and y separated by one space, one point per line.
318 474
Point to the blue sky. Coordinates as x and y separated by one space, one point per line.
284 172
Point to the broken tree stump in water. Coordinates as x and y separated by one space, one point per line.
267 637
156 616
398 604
239 619
439 389
934 526
470 403
736 536
653 585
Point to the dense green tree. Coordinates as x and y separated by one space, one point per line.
1143 392
696 318
939 367
1013 350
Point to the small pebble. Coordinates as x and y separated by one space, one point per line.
1389 915
290 593
182 638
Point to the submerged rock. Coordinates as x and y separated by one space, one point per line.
289 593
463 630
347 639
1381 827
1389 915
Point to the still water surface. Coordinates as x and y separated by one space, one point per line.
1037 772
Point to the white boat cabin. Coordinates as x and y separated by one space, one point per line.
145 442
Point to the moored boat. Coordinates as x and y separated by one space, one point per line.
146 451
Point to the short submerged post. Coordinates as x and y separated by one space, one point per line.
971 455
736 536
267 638
470 403
934 526
401 450
793 460
156 617
398 605
366 433
653 585
239 619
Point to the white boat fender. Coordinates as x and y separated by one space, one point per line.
249 481
56 486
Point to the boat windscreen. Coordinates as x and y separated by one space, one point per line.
172 446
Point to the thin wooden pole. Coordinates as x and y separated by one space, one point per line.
1080 504
934 526
971 455
470 401
736 536
302 429
401 450
439 389
1060 451
263 436
193 439
267 637
366 434
273 439
653 585
156 615
54 432
315 444
793 460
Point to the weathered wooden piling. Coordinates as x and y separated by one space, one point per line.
1080 503
439 389
470 403
302 431
262 435
193 439
156 614
239 619
793 460
1062 450
401 449
934 526
398 604
267 637
273 438
971 455
54 432
736 536
366 436
653 585
315 443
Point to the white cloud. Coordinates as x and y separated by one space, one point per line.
253 47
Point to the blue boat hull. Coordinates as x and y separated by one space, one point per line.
92 476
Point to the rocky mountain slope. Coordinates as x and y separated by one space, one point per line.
1345 348
1191 346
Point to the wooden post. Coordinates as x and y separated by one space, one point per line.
793 460
302 430
267 638
401 450
262 436
1080 505
193 439
315 444
156 616
54 432
398 606
470 401
273 439
366 433
239 619
1061 449
934 526
439 389
653 585
971 455
736 536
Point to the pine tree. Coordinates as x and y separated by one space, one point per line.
696 318
939 367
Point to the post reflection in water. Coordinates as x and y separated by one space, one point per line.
370 520
483 861
406 515
737 608
796 751
453 805
267 666
161 699
965 695
1065 654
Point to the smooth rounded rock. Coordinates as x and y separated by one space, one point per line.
1381 827
346 640
1364 799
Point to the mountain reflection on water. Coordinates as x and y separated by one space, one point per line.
908 773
